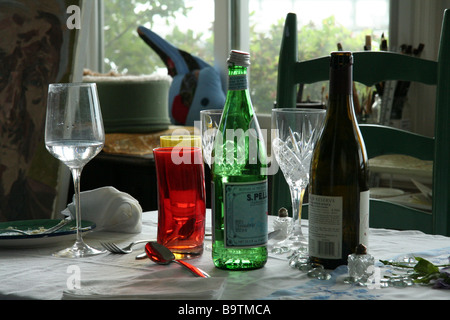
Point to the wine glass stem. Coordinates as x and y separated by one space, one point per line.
297 200
76 174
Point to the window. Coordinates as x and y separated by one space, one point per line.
321 24
189 25
186 24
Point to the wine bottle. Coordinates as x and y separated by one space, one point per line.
339 188
238 181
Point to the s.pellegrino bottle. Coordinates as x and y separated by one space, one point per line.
239 195
339 179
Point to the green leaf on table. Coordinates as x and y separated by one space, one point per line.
424 270
424 266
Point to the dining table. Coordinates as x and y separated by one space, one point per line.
29 271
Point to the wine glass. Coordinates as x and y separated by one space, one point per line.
296 132
210 120
74 134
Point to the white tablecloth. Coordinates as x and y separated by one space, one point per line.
33 273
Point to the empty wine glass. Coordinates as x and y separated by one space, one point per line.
296 132
210 120
74 134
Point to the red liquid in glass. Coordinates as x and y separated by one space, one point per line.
181 199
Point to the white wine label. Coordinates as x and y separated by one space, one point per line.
245 214
364 218
238 82
325 226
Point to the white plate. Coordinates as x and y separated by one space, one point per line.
380 193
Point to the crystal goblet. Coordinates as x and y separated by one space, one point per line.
295 132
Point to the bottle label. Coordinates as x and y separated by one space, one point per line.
364 218
237 82
245 218
325 225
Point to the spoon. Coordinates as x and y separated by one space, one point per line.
162 255
184 232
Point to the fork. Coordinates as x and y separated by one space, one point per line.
56 227
113 248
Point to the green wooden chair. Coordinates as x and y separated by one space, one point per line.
371 68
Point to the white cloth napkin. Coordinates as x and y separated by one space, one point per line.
154 289
110 209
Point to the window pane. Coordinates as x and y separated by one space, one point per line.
186 24
321 25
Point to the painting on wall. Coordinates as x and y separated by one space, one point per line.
37 48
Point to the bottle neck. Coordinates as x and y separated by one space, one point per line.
237 78
341 81
341 91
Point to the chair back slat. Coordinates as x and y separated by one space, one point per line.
441 167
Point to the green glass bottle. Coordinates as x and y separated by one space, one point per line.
238 179
339 181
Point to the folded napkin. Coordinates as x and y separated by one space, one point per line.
154 289
110 209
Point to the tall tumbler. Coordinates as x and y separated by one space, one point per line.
181 198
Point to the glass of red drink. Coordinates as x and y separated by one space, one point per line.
181 198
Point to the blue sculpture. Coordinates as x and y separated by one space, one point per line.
196 85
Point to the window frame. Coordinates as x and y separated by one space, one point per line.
95 50
231 31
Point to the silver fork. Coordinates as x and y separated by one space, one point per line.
113 248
